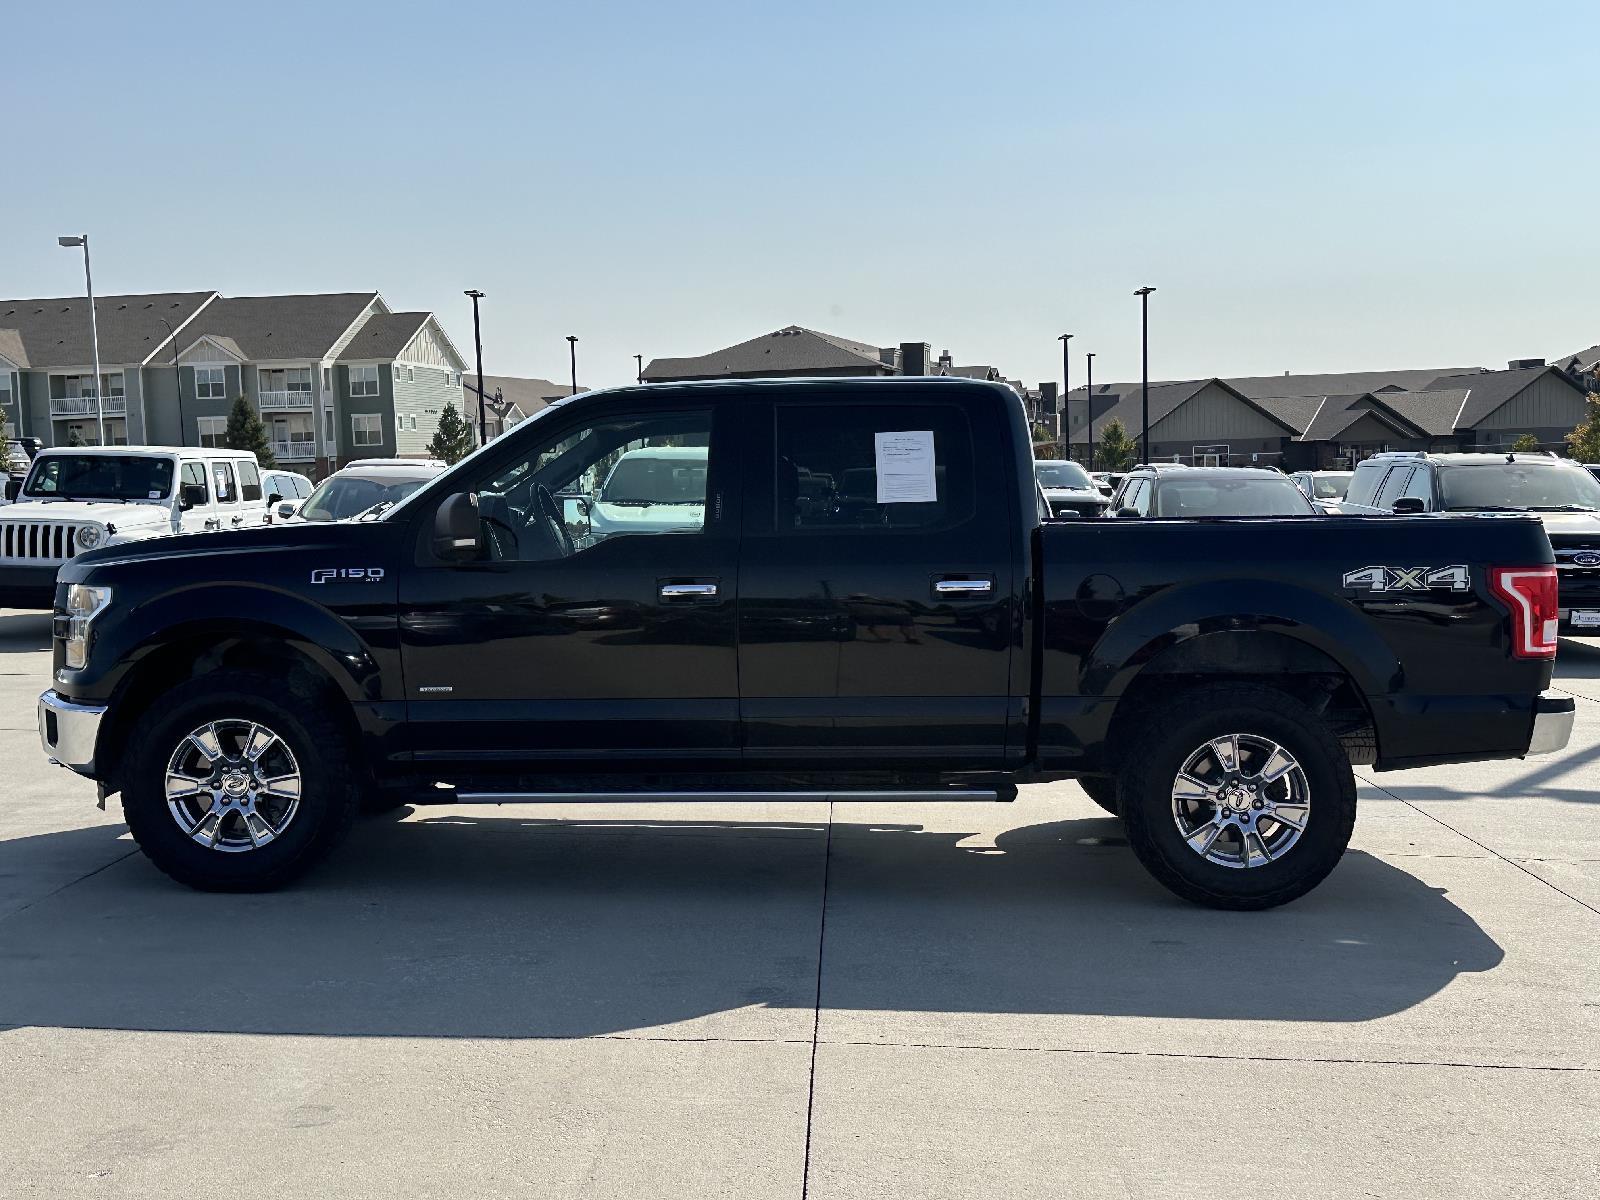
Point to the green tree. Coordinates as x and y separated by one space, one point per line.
1044 445
1583 443
1116 451
1526 444
246 432
74 438
452 441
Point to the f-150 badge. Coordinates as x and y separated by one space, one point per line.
1409 579
347 575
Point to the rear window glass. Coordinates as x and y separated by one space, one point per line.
1178 497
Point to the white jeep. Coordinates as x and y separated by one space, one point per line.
79 498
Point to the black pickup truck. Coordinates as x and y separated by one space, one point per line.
821 589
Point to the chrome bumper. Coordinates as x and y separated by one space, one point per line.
69 731
1552 723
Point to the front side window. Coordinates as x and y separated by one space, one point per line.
194 475
1394 486
363 381
620 477
366 429
1364 482
99 477
222 482
249 481
210 383
868 467
212 430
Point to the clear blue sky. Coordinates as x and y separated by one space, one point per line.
1310 186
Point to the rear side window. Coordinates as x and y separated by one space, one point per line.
195 474
1393 487
861 468
249 481
222 481
1364 483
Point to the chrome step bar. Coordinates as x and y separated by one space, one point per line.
851 797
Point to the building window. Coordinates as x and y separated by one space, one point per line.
411 374
364 381
327 379
210 383
327 429
366 429
212 430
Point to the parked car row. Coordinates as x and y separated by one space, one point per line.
1564 495
70 500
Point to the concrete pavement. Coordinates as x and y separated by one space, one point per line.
788 1000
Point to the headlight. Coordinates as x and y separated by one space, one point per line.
88 537
84 604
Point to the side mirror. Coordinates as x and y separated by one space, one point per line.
191 495
1128 512
287 510
274 498
1409 506
457 532
13 489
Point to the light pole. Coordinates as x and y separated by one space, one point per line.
82 239
1144 429
477 339
1088 391
572 344
1062 433
177 378
638 361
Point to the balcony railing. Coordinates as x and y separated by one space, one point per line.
296 448
83 406
270 401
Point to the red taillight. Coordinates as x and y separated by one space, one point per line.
1531 594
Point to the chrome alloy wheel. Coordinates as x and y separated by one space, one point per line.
1241 800
233 785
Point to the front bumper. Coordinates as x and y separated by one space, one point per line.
69 731
1552 723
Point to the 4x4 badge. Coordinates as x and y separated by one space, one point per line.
1409 579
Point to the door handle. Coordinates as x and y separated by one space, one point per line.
688 591
963 587
238 520
213 523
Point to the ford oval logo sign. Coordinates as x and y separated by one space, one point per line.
1587 558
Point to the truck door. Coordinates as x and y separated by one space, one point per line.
877 588
195 479
599 630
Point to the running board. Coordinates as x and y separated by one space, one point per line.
852 797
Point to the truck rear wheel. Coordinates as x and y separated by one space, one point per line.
235 784
1240 799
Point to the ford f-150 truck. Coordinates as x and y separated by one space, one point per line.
849 592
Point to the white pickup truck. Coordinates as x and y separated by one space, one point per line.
79 498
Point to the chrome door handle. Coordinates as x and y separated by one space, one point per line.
963 587
687 591
213 523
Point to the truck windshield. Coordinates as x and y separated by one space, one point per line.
1062 474
646 481
99 477
1508 485
340 498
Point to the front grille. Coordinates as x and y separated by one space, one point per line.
37 541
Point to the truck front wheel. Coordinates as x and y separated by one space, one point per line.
237 784
1241 798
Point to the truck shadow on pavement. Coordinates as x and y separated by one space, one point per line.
495 926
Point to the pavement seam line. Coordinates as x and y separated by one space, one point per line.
1503 858
68 884
816 1010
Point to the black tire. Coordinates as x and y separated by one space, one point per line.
1180 726
329 791
1102 790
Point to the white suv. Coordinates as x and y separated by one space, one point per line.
80 498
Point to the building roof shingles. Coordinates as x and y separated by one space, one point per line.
383 336
785 350
54 332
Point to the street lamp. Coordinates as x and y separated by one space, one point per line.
572 344
1088 391
638 361
82 239
177 378
1062 434
477 338
1144 433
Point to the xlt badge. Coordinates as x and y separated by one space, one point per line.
348 574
